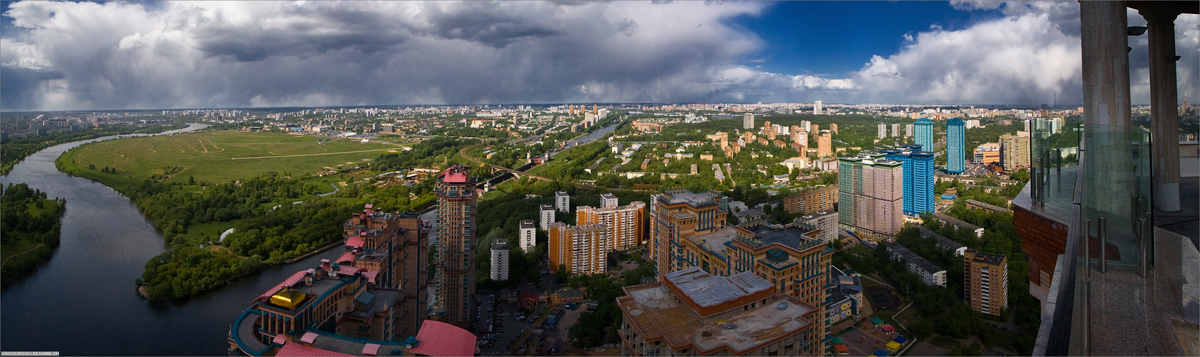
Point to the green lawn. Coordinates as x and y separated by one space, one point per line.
20 247
47 206
218 156
211 229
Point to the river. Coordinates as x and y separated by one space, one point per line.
82 302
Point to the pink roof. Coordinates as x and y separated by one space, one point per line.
286 282
443 339
355 241
309 337
296 349
370 274
346 257
888 328
370 349
279 339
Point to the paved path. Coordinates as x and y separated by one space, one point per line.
27 251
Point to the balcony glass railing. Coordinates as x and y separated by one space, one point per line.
1054 161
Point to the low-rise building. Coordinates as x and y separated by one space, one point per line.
930 274
693 313
943 242
845 296
811 200
958 223
973 204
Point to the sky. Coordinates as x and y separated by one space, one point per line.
151 55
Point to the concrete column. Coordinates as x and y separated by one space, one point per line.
1106 108
1164 104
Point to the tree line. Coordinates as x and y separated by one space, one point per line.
29 228
15 150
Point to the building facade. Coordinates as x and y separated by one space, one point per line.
824 145
609 200
528 236
985 279
693 313
582 249
871 196
845 297
389 248
1014 151
500 260
918 178
924 134
680 211
987 153
811 200
625 224
956 145
824 221
748 121
882 131
546 216
454 280
562 202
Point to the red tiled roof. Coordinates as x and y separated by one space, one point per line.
346 257
286 282
296 349
443 339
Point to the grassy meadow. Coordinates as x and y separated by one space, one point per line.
216 156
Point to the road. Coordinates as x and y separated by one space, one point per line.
516 173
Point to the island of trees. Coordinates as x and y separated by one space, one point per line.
29 229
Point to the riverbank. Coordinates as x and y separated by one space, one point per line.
315 252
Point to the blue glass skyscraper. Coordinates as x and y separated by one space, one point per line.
956 144
918 178
924 134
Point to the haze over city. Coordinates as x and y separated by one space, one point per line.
152 55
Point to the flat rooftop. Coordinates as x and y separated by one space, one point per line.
714 241
955 221
689 197
705 289
791 237
942 241
658 316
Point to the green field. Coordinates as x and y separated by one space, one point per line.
218 156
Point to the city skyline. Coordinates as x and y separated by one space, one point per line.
111 56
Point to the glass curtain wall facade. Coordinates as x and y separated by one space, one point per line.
956 144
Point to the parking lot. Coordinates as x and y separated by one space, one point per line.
505 327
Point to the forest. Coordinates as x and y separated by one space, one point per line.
265 232
29 229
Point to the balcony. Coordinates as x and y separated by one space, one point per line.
1116 275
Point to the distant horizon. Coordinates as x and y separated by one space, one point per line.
480 106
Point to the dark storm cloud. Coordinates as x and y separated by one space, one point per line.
17 83
300 33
